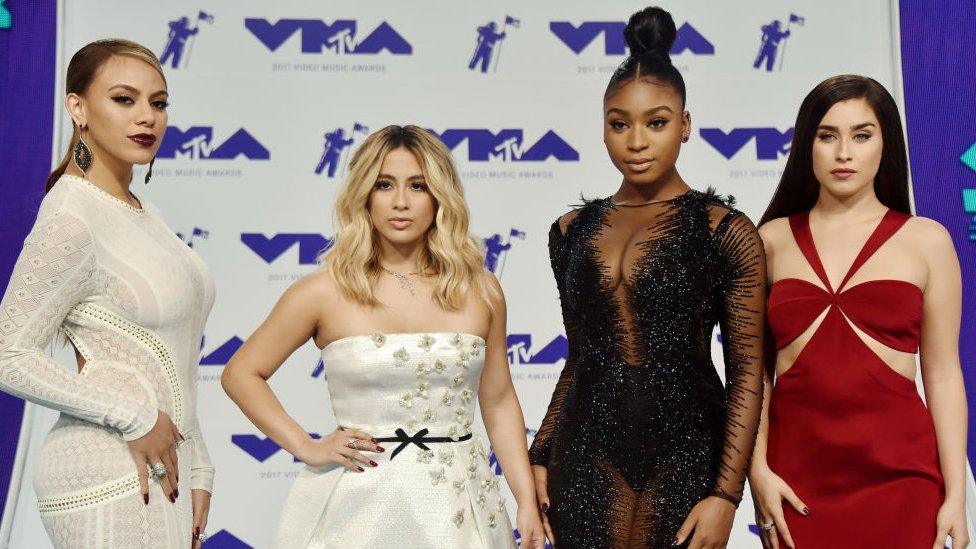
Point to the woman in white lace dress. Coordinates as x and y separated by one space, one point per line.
101 268
412 331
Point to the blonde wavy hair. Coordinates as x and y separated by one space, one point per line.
450 253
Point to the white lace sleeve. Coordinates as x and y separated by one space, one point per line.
53 274
201 469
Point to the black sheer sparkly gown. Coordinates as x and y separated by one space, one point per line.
640 427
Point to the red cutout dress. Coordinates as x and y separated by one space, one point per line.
850 435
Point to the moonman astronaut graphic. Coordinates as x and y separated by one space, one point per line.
488 37
772 35
496 249
335 142
179 32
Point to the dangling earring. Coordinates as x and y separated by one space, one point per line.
684 138
82 155
149 173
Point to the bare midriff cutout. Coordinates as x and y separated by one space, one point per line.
900 362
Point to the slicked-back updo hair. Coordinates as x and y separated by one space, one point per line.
650 33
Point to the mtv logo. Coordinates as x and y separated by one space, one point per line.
507 145
197 143
310 245
260 448
520 350
770 142
339 36
221 355
577 38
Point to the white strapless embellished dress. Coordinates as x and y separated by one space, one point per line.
433 487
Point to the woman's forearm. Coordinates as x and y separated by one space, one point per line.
946 399
254 397
506 432
759 462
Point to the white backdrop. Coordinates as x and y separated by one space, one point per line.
243 189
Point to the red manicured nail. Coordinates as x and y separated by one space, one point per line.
806 510
545 507
196 532
375 441
380 449
145 499
360 469
373 463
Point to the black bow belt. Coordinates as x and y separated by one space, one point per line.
419 438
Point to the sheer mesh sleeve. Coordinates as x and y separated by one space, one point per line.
539 452
742 319
52 275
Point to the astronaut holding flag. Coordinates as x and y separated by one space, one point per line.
180 34
488 39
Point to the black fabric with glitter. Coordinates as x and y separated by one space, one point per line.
640 427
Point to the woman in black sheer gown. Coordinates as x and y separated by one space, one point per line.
642 446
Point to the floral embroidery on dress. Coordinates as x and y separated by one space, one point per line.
458 518
401 356
426 342
437 476
379 340
456 341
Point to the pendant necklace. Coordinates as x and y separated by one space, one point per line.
404 278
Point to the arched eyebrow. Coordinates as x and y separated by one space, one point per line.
134 91
648 112
854 128
391 178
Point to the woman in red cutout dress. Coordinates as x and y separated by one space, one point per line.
858 286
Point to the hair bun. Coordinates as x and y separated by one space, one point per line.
650 31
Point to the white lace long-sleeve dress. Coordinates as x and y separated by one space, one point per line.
132 298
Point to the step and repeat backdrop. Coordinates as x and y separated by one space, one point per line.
268 101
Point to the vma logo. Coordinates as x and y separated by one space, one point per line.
260 448
197 143
225 540
520 350
335 151
508 145
770 142
310 245
340 37
221 355
496 250
180 39
579 37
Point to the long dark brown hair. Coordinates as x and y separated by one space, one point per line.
798 188
82 69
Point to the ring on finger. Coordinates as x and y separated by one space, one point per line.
352 443
157 470
767 526
200 536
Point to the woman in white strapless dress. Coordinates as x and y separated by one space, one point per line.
412 332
